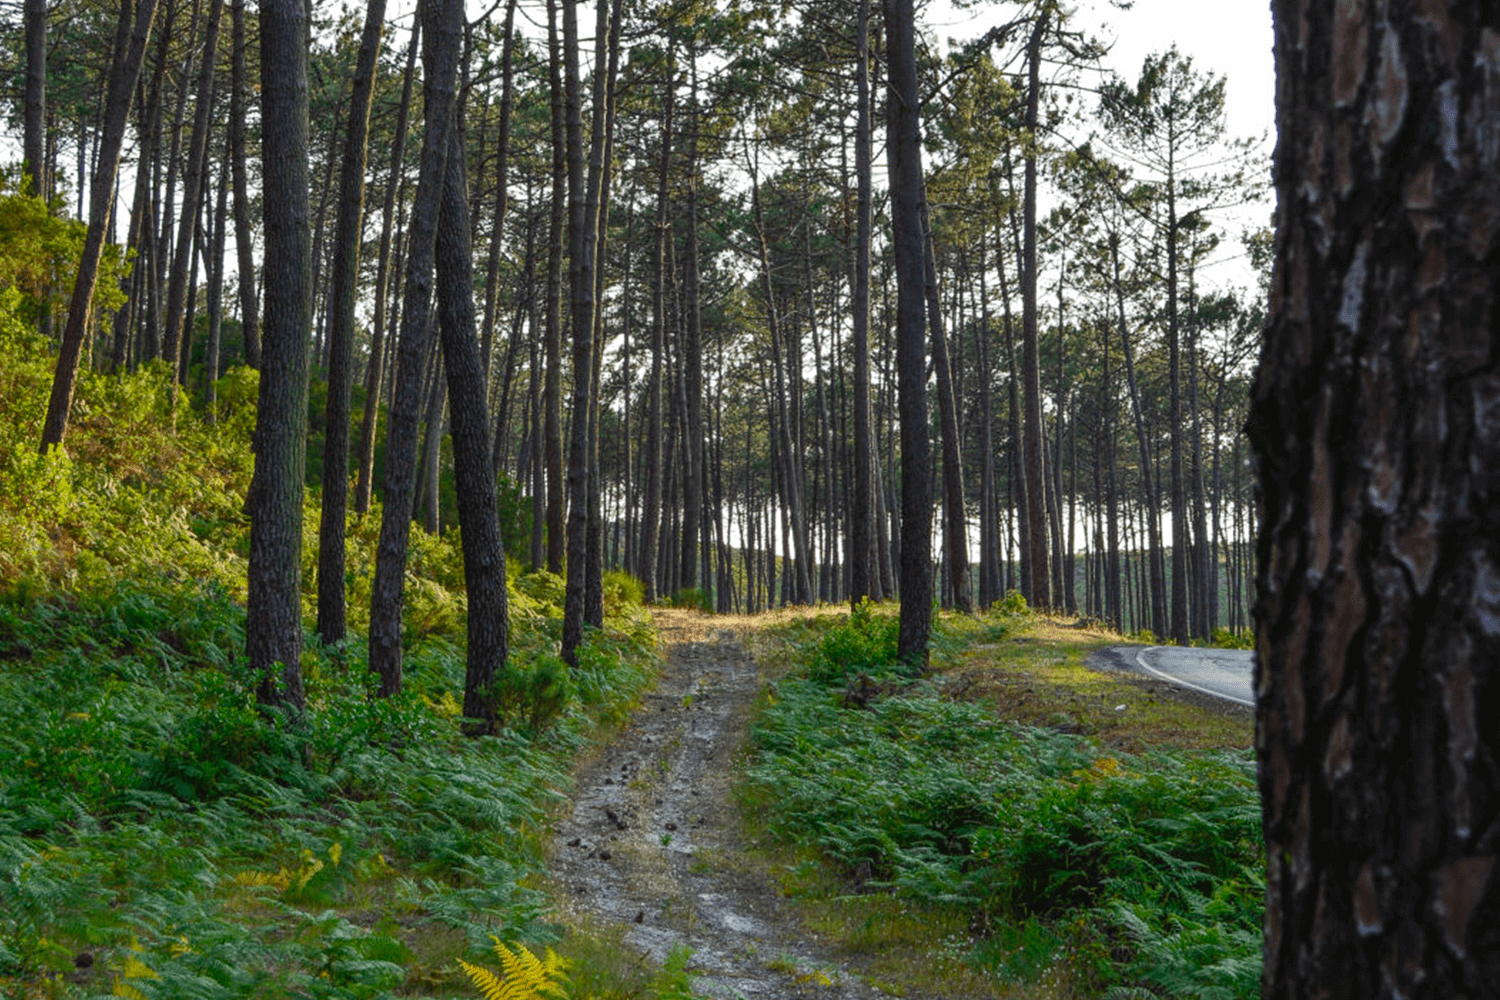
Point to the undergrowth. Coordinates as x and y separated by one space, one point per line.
1142 875
160 835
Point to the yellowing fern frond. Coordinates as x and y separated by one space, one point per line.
134 968
522 975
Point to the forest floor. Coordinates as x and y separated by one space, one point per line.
652 840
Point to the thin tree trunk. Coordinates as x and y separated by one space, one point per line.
375 372
332 617
243 238
192 191
555 533
1034 461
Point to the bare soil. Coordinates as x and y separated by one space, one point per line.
651 839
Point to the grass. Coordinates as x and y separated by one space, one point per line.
952 837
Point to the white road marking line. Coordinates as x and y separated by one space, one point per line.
1140 658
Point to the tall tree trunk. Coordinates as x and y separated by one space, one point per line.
440 51
332 618
192 192
502 186
34 139
955 533
375 371
1033 462
243 238
792 496
213 361
556 538
1375 421
651 509
131 34
478 516
273 623
904 145
863 512
1148 492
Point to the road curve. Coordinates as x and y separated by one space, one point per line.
1225 674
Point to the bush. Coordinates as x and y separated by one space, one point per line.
864 642
622 590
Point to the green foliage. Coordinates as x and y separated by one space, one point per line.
1013 603
622 590
864 642
1225 639
1035 834
153 815
696 598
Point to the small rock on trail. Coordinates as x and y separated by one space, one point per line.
651 842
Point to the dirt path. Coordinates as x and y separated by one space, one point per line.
651 840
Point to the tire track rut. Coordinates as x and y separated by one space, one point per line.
651 840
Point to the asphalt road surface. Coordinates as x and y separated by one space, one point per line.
1218 673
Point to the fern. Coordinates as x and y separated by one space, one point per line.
522 975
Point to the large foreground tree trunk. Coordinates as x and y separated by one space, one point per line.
1376 424
273 623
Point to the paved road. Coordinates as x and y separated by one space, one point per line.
1220 673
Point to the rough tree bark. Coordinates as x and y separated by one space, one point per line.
273 623
1375 419
478 516
903 140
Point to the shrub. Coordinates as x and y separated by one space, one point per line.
864 642
622 590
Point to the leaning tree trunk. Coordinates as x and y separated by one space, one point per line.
1375 420
273 620
903 140
440 48
130 45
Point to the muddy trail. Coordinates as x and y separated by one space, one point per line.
651 840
